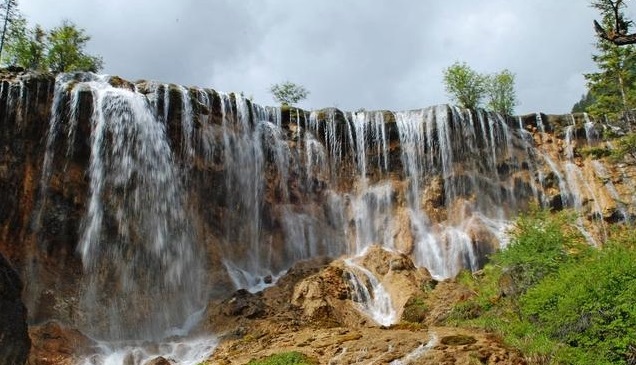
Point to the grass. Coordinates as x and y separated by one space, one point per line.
556 299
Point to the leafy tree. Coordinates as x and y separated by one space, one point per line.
613 86
464 85
501 92
26 47
11 13
288 93
66 50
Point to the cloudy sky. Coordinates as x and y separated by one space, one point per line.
373 54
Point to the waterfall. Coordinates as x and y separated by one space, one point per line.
369 293
185 182
147 257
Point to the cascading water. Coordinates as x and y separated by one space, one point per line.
180 176
369 293
144 274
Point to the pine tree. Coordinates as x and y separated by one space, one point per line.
613 86
9 9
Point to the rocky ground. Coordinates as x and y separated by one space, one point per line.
311 311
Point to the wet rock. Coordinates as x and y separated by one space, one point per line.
458 340
55 344
159 361
244 303
14 338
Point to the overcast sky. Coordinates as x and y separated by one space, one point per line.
373 54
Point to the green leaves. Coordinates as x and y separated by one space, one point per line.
468 88
66 50
288 93
464 85
500 88
613 87
60 50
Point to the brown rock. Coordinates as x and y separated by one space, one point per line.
14 338
55 344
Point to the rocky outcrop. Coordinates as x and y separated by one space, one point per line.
14 337
57 344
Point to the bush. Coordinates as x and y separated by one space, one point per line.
284 358
589 305
541 242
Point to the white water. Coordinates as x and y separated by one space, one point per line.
416 354
370 294
137 187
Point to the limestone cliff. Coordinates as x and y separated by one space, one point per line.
158 197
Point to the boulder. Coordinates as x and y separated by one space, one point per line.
14 336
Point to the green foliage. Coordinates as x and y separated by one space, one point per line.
66 50
288 93
10 13
500 89
415 309
612 87
26 47
573 304
589 305
625 147
284 358
596 152
59 50
468 88
583 105
541 242
464 85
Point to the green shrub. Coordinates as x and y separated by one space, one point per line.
284 358
589 305
541 242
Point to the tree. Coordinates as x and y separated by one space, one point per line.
464 85
500 89
66 50
10 10
25 47
582 105
288 93
613 85
617 29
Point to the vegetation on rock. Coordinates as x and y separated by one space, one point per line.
59 50
617 29
285 358
612 89
554 297
288 93
464 85
468 88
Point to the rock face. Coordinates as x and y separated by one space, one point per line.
14 337
120 195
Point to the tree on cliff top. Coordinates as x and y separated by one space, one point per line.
612 87
288 93
617 29
464 85
500 89
10 10
26 47
66 50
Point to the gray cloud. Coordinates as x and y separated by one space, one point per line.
350 53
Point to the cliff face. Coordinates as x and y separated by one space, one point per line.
118 194
14 338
